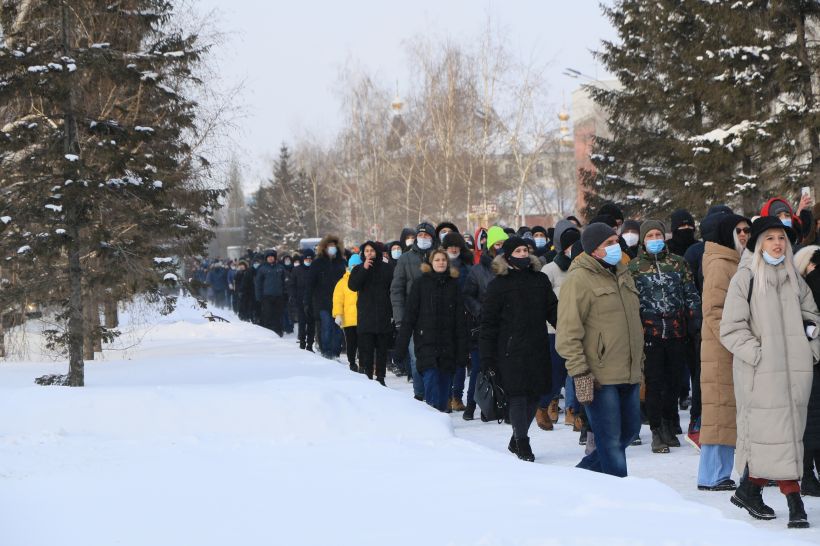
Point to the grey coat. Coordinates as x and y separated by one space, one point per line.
408 269
772 369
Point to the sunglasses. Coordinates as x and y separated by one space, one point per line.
745 230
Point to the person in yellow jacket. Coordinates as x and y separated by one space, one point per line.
344 311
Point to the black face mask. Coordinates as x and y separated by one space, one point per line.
685 236
519 263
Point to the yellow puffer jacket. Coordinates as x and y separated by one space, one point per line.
344 302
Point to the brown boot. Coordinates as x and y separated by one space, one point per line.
543 420
578 424
456 404
553 411
569 417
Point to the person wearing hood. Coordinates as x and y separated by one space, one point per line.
716 434
394 252
443 229
475 291
631 236
408 269
434 317
217 279
271 293
683 232
480 245
306 323
566 235
514 344
345 313
708 230
542 243
243 283
670 307
328 267
800 222
806 261
407 238
462 259
770 325
599 334
371 280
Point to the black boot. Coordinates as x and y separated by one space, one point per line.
668 433
749 497
809 486
380 381
523 449
302 345
658 445
513 447
469 412
354 368
582 439
797 514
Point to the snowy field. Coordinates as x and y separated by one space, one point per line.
222 434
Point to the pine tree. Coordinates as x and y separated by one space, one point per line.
97 177
703 114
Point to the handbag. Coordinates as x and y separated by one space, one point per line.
490 397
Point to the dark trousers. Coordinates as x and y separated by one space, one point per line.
694 370
272 308
307 328
351 344
370 346
522 412
662 369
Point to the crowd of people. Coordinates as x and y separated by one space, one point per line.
627 320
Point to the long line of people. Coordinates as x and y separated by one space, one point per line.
646 316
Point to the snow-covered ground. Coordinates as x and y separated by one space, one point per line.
222 434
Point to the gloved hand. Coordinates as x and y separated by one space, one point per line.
339 321
584 388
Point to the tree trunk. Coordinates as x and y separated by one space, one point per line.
2 339
808 97
112 317
89 310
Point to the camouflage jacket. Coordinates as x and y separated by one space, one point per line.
670 304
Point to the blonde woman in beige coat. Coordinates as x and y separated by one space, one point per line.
770 324
717 431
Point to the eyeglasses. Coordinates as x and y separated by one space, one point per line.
746 230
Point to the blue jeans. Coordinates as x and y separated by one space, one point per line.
436 388
475 368
418 382
458 382
716 462
570 400
615 418
559 369
331 335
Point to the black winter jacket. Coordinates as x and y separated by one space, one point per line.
475 287
514 341
811 437
270 281
373 307
323 275
434 316
243 281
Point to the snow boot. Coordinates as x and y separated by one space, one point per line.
658 445
582 439
809 485
469 412
569 417
302 345
553 410
668 433
512 446
637 442
354 368
380 381
523 449
797 514
749 497
456 404
419 397
725 485
542 418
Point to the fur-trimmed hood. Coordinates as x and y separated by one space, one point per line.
427 268
501 267
328 240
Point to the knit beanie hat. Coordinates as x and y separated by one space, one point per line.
569 237
495 234
595 234
779 206
604 219
649 225
454 238
426 227
511 244
631 225
611 209
540 229
681 217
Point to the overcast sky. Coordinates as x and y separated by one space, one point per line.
288 54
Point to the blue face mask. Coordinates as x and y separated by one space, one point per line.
786 222
307 263
655 246
613 254
540 242
773 261
424 243
396 253
331 251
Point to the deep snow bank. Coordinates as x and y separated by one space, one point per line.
216 434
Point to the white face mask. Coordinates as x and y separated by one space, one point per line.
424 243
331 251
454 256
631 238
409 242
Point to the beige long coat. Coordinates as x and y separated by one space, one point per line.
716 383
772 368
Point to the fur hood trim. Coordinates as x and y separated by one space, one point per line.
427 268
501 267
328 240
